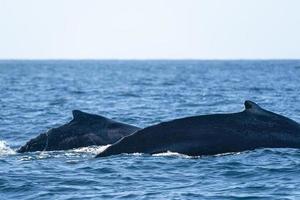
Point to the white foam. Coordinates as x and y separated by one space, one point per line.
137 154
170 153
5 149
91 149
227 154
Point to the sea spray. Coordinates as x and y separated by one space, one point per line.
5 149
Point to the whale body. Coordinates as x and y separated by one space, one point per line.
83 130
213 134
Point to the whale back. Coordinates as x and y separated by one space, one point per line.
252 128
83 130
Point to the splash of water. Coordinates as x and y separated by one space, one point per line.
5 149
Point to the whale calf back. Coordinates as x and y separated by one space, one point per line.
83 130
252 128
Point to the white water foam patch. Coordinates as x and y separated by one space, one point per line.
228 154
91 149
135 154
172 154
5 149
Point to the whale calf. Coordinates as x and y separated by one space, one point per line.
213 134
83 130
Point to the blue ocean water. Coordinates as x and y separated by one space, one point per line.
38 95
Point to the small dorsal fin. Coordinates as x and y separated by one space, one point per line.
80 115
251 105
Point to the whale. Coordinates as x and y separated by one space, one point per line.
252 128
83 130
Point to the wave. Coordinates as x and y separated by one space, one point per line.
5 149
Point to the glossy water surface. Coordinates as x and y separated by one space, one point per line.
38 95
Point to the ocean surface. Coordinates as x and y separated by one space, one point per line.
38 95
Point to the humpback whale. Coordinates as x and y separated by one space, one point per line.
213 134
83 130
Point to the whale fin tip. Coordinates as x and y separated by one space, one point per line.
77 114
251 105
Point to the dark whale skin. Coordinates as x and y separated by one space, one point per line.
83 130
213 134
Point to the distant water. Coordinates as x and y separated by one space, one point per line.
38 95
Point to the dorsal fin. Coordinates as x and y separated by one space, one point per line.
79 116
250 105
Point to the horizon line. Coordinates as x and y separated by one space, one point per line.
144 59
